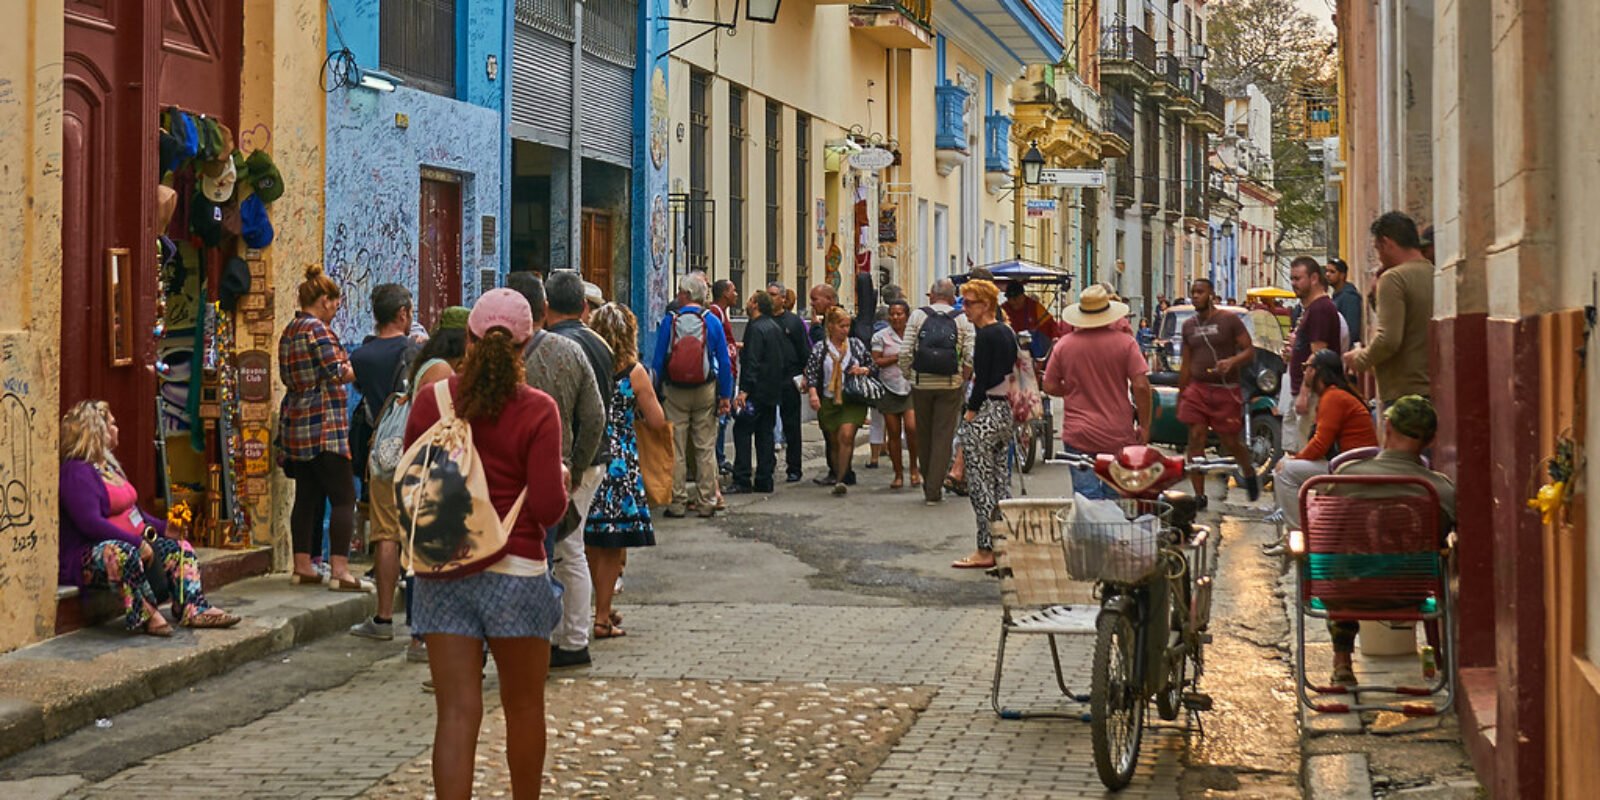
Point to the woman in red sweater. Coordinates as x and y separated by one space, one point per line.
1343 423
511 603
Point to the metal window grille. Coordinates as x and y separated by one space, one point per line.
802 198
551 16
610 30
697 234
736 185
774 210
417 41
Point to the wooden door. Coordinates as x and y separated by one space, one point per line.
108 185
1572 722
597 250
1147 274
439 248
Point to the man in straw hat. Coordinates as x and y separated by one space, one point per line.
1093 370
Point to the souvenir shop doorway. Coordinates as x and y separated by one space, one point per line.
157 196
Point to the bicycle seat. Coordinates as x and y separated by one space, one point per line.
1164 378
1184 508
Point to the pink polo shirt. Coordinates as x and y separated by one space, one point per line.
1096 366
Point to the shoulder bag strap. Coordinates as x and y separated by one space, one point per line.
441 393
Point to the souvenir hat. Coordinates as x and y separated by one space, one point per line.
256 226
168 149
232 224
502 308
184 128
166 205
217 179
263 176
1413 416
1094 309
235 283
593 295
205 219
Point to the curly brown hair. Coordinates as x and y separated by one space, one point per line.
616 325
491 374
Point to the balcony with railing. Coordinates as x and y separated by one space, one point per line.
1213 110
1123 177
1173 201
997 143
1116 133
1150 193
1126 52
1166 76
1194 202
895 24
950 126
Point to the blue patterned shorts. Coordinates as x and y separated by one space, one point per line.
487 605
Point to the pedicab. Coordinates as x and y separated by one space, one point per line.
1259 382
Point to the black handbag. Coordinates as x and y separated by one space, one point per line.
864 389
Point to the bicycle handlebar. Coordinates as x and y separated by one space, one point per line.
1201 464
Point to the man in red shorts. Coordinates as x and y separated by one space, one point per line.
1215 345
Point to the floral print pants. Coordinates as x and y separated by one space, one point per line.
986 441
114 564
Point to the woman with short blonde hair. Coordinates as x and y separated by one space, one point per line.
987 428
107 541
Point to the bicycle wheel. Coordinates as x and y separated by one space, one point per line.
1027 447
1116 703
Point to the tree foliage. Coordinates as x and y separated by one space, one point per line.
1280 49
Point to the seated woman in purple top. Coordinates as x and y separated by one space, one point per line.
106 541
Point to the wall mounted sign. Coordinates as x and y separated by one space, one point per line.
872 159
255 376
257 451
1086 178
1041 208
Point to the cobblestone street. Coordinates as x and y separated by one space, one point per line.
816 682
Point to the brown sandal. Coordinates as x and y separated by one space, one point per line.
607 630
616 618
163 632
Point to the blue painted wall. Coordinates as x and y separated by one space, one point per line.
652 219
374 166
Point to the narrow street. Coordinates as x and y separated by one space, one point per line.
800 646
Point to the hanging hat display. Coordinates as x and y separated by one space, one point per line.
235 283
218 178
262 176
257 227
205 219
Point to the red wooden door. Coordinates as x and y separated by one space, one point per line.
190 51
439 249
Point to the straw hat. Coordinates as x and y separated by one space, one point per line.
1094 309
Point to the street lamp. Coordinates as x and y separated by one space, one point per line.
1032 164
762 11
755 10
1227 227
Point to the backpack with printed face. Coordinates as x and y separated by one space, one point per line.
443 497
936 344
688 354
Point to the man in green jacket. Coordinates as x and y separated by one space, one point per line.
1398 351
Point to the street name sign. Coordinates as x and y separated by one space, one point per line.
1084 178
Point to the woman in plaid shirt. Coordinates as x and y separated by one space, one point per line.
314 432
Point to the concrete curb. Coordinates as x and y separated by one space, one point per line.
62 684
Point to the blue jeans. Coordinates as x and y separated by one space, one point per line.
723 424
1086 482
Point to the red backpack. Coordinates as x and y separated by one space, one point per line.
688 356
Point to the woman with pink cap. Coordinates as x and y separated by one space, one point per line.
511 603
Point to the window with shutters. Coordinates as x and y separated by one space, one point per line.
417 42
802 199
774 205
736 185
697 234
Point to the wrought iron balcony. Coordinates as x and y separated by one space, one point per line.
1174 196
1213 109
950 108
1127 52
1124 182
1194 204
1117 127
997 143
1150 193
1166 75
895 24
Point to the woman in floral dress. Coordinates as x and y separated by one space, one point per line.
619 518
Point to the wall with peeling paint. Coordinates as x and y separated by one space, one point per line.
30 319
378 144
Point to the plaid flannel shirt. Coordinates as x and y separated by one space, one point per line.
313 418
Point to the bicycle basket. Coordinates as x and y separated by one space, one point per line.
1125 551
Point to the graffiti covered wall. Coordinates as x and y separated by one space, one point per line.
378 144
30 320
652 271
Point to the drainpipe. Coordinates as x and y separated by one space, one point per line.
575 143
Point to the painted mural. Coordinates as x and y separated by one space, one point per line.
651 229
378 144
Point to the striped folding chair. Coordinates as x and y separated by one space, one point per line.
1036 594
1375 560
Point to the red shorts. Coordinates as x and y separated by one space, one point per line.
1217 407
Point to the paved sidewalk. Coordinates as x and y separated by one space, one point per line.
52 688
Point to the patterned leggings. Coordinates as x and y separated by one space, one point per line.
985 440
114 564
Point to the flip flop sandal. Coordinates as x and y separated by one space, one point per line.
209 620
953 485
616 618
969 564
896 483
342 585
298 579
606 630
159 633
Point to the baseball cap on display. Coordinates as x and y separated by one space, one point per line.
205 219
217 179
255 226
262 176
235 283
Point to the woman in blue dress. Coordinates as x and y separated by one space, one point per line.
620 515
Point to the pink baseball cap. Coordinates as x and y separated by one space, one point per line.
502 308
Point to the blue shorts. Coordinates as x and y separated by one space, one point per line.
487 605
1086 481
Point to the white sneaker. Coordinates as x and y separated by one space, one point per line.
370 628
416 652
